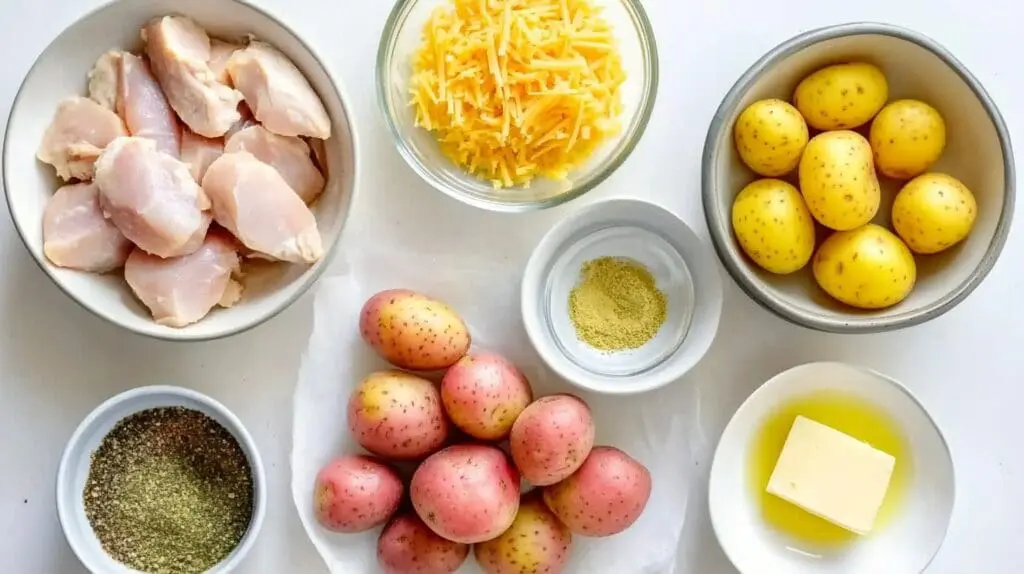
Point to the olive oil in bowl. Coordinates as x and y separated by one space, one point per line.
845 413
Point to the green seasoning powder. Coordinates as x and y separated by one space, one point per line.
169 491
616 305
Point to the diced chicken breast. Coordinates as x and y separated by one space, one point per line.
144 108
220 53
182 290
280 97
151 197
199 152
77 236
179 52
80 130
103 79
252 201
290 156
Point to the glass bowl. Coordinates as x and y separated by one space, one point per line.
402 37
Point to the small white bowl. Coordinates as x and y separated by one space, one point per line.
978 152
905 545
683 266
76 460
60 71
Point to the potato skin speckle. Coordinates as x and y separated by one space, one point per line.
868 267
773 226
770 135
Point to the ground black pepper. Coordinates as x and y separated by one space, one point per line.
169 492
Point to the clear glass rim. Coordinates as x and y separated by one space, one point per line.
634 132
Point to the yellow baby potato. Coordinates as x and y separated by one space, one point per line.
838 181
867 267
843 96
933 212
770 135
773 226
907 137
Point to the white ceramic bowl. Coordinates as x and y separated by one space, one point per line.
682 265
978 152
906 545
60 71
74 470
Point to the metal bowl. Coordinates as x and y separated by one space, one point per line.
978 152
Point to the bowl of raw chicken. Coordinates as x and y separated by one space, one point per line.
180 168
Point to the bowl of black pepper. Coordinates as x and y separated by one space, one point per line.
161 480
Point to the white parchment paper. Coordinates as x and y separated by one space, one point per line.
663 435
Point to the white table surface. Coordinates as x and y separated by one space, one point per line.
57 362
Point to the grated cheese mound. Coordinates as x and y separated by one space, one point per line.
516 89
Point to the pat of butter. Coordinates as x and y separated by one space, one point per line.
832 475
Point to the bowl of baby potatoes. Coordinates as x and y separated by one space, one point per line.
858 179
180 168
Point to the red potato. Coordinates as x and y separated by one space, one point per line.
413 331
536 542
483 394
408 546
397 415
604 497
551 439
466 493
356 493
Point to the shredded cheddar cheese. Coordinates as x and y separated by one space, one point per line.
516 89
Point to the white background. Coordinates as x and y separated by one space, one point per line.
57 362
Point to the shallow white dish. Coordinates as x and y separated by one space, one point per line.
682 265
978 152
904 546
74 470
60 71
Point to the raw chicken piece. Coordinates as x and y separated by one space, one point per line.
182 290
144 108
103 79
178 51
252 201
278 94
220 53
290 156
77 236
199 236
151 197
80 130
199 152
